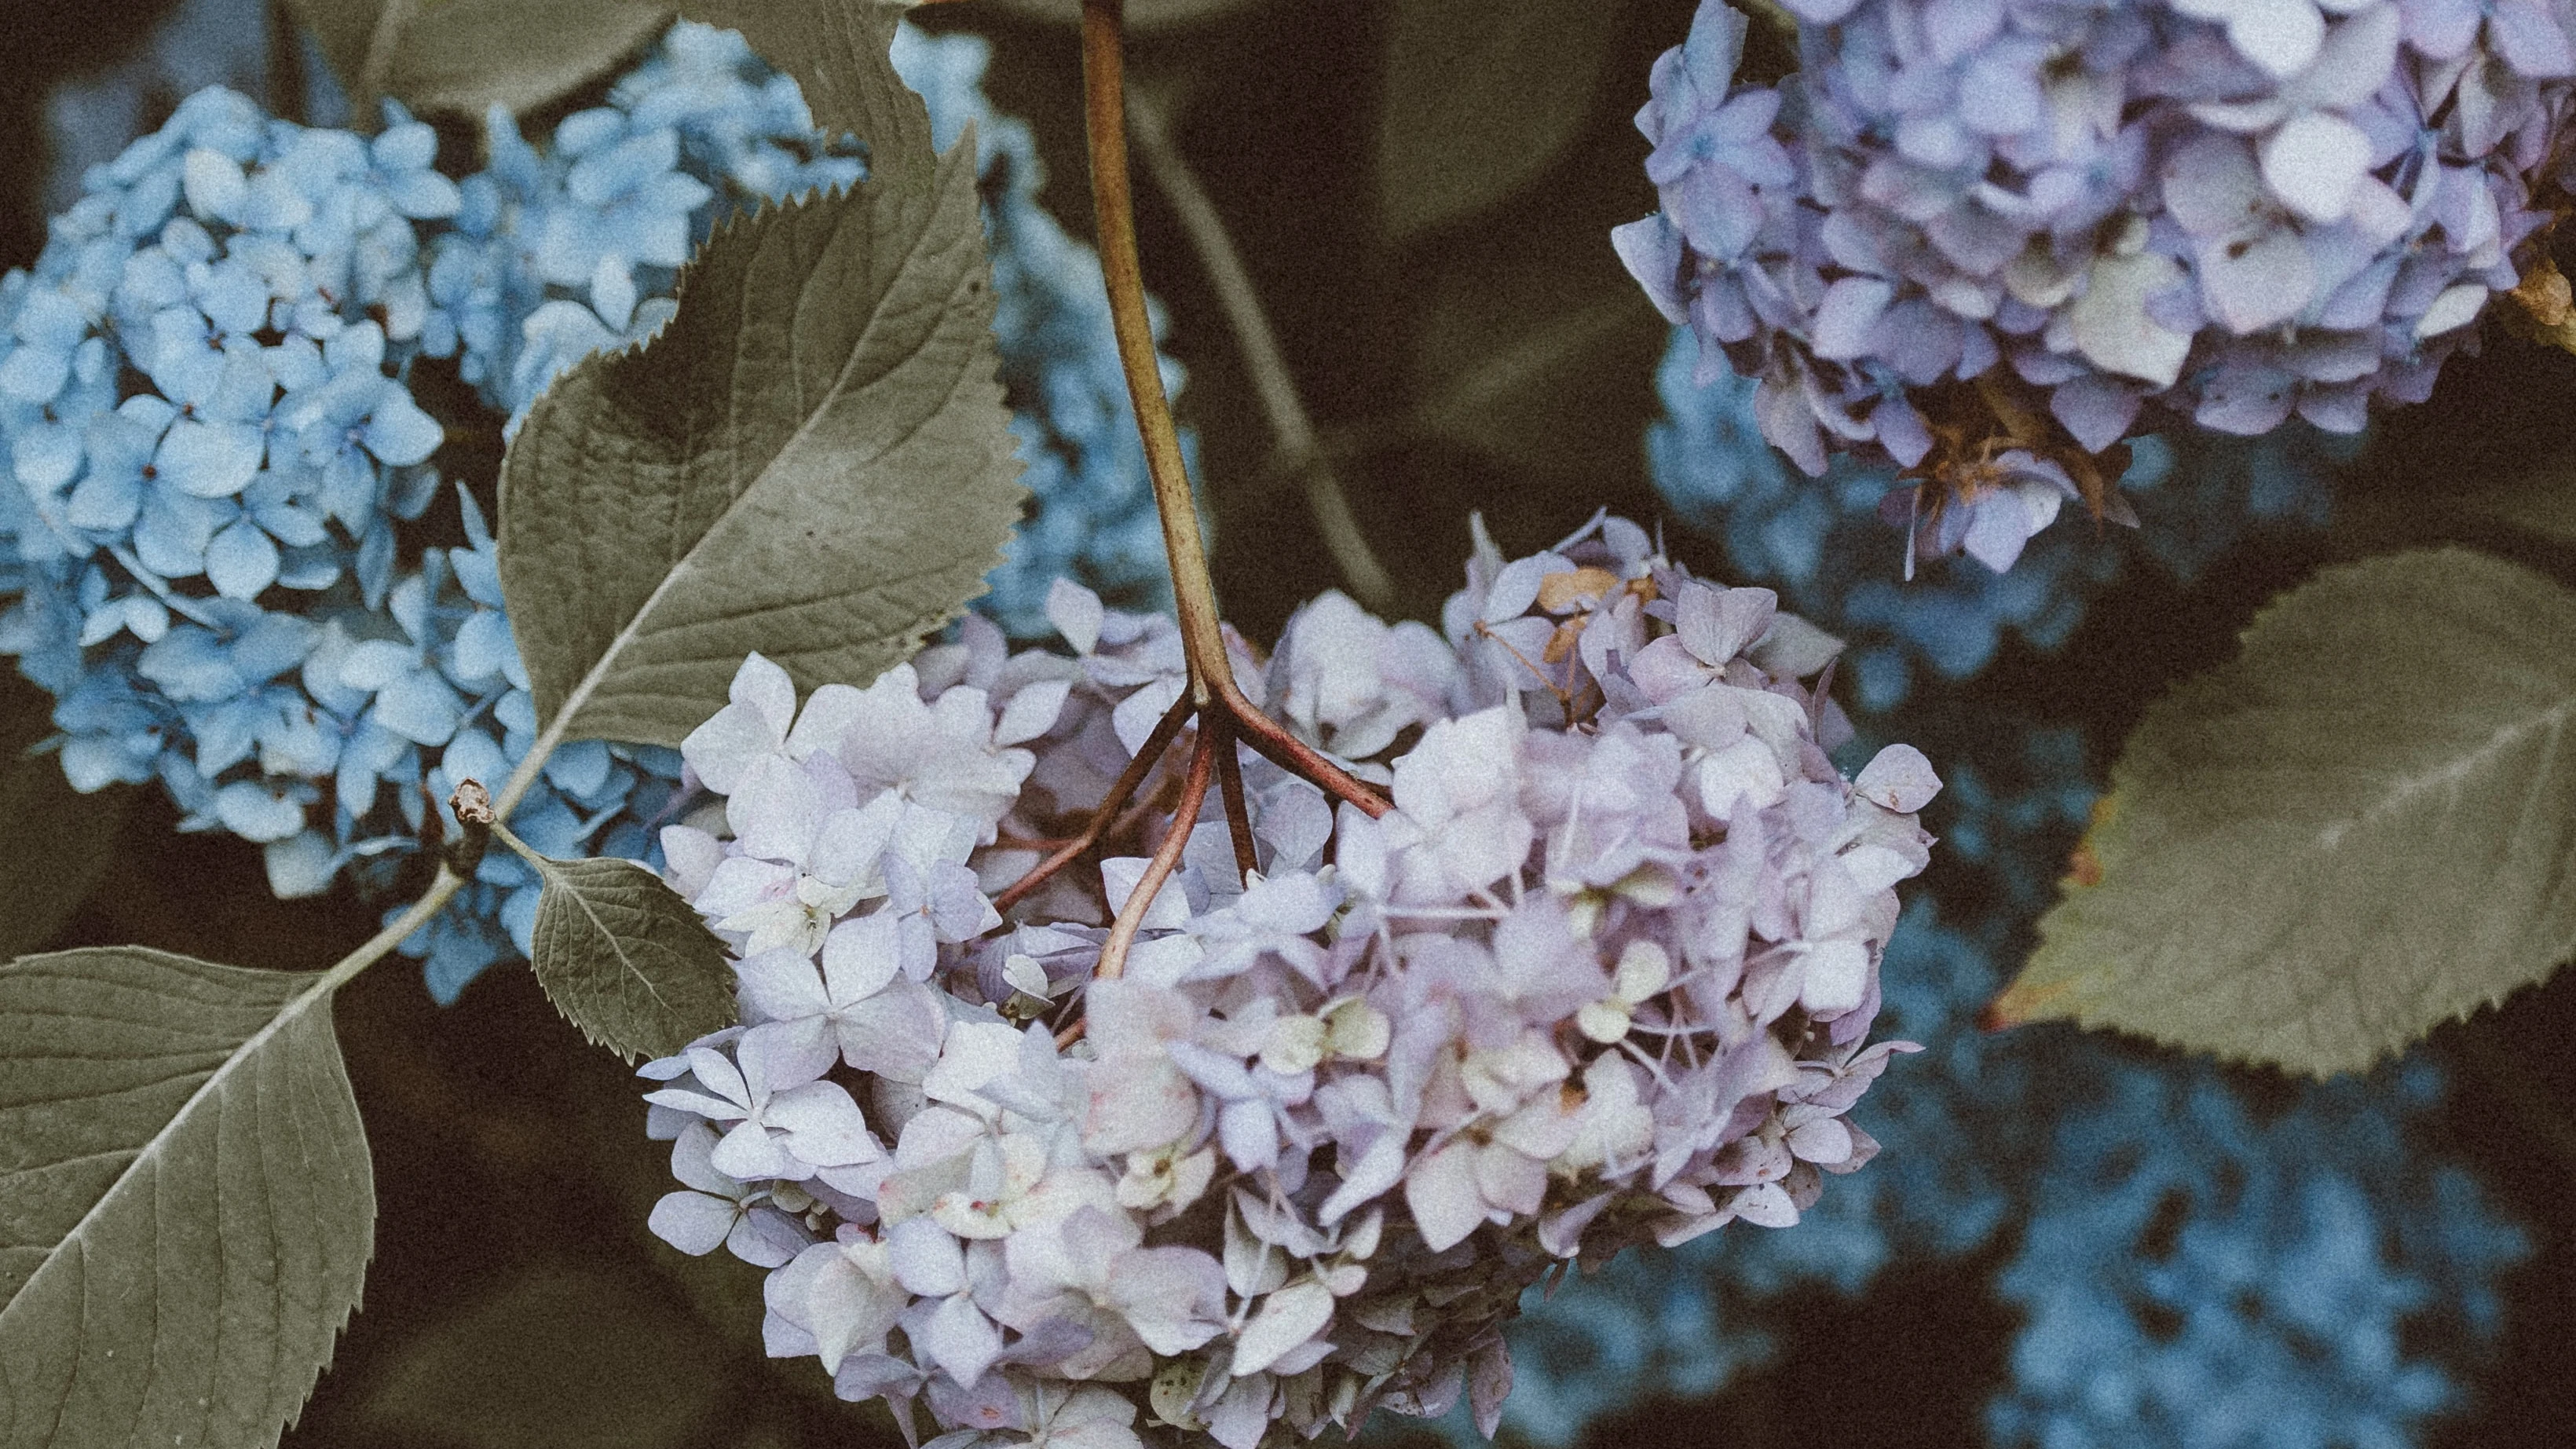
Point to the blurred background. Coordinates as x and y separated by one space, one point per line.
2071 1241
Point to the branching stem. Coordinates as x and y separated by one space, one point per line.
1219 704
1224 714
1119 790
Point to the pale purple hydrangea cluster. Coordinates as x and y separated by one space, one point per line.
1603 975
2222 210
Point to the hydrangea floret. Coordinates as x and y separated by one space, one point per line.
1604 974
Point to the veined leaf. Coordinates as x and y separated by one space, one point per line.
186 1205
2363 826
54 840
469 55
811 460
1481 96
624 958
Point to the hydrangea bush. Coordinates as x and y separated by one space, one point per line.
1132 1034
1605 974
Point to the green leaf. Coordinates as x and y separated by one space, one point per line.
469 55
624 958
186 1206
812 460
2363 826
1481 96
55 842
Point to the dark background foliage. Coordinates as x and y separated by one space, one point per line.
1498 361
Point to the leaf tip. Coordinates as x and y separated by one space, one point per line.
2024 1002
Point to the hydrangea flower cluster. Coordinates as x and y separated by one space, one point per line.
1604 974
1978 239
1825 546
205 394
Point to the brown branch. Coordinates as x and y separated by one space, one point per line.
1238 816
1107 811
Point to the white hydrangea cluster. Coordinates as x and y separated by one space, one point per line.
1603 974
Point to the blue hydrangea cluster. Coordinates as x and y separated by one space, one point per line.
206 400
1989 239
2201 1259
1825 547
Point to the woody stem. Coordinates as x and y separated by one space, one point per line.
1101 819
1105 116
1212 686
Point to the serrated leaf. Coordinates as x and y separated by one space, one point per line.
1480 97
812 460
54 841
624 958
186 1205
469 55
2363 826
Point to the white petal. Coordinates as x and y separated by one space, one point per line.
2282 36
1898 778
2111 324
1287 1318
926 1259
1032 711
2313 162
693 1222
2456 307
962 1340
1076 614
1836 977
1441 1191
861 957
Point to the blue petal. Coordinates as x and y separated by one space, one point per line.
420 707
300 865
399 432
209 460
252 812
241 561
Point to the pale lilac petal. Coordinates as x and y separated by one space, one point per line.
962 1340
693 1222
1442 1194
1288 1318
1898 778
